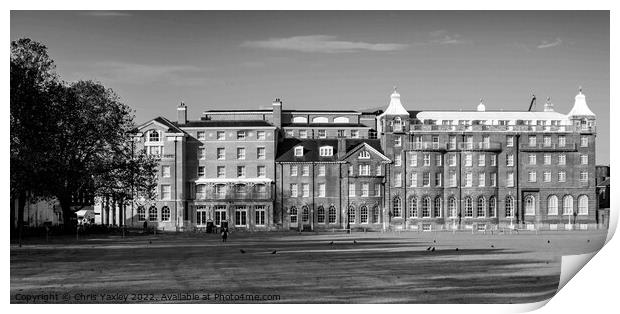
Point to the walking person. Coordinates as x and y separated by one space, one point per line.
224 233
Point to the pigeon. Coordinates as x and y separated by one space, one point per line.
433 249
428 248
588 241
242 251
548 241
354 242
457 249
150 242
331 243
274 252
434 241
492 245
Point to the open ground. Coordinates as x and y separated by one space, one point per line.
297 268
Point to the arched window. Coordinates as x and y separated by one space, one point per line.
413 207
351 214
567 205
469 207
492 206
397 125
481 207
293 214
153 136
396 207
165 213
375 214
530 205
452 207
552 205
437 207
426 203
152 213
510 206
141 213
305 214
341 120
300 120
320 215
364 214
320 120
331 215
582 202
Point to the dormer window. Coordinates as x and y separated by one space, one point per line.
326 151
364 155
398 124
299 151
153 136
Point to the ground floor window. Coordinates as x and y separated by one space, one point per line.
152 213
201 215
293 214
452 206
141 213
259 212
413 207
492 206
351 215
320 215
375 214
332 215
396 207
582 202
305 214
469 207
510 206
364 214
241 216
437 207
165 213
220 214
567 203
481 207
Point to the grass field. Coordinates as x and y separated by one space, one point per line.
378 268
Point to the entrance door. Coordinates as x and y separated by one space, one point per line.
293 217
305 218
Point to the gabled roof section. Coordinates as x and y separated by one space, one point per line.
364 145
164 123
286 150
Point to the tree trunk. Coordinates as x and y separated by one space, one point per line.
107 211
114 205
21 204
67 213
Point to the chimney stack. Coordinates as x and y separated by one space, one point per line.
182 114
277 113
342 147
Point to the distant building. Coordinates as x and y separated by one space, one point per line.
337 169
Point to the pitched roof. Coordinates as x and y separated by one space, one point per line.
224 123
286 149
163 121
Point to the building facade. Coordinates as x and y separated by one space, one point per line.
277 169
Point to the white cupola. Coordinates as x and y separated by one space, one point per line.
395 108
580 108
481 106
548 105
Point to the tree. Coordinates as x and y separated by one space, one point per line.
32 76
69 138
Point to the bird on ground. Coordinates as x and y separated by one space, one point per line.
274 252
354 242
428 248
433 249
492 245
457 249
242 251
548 241
434 241
150 242
588 241
331 243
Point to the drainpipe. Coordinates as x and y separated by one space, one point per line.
176 168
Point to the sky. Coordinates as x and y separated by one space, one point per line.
332 59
